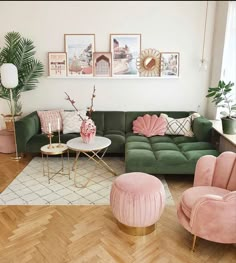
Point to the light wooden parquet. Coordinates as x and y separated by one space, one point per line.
63 234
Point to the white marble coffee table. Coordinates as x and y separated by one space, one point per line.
91 150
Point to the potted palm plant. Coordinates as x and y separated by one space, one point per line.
222 97
20 52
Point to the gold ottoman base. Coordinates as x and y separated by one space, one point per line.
136 231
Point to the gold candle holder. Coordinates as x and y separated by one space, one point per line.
59 140
50 135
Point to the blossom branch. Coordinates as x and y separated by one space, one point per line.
73 104
90 109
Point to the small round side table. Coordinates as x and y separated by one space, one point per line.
55 149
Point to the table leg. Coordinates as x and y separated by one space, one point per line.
100 161
76 158
68 161
48 171
62 162
43 165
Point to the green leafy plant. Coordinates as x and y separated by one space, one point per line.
222 97
20 52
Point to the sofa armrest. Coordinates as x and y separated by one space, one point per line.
202 128
26 128
213 217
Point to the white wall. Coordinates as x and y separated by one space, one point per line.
217 51
165 26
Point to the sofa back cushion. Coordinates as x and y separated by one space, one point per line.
130 116
109 120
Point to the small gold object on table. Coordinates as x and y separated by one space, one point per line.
50 135
59 140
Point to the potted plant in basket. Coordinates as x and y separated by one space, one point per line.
20 52
222 97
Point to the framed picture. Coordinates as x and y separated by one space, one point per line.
170 64
125 49
57 64
102 64
79 49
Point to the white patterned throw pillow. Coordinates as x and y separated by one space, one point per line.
72 121
180 126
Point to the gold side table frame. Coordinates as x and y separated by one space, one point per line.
54 150
94 150
94 156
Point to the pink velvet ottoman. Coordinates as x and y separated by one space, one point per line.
7 143
137 201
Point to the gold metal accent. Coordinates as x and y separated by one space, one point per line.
61 170
17 157
50 135
136 231
96 158
194 242
59 140
148 63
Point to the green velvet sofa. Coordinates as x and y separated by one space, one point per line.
155 155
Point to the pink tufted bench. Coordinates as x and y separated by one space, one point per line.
137 201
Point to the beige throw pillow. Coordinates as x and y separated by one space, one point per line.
180 126
72 121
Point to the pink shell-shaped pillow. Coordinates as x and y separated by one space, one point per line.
150 125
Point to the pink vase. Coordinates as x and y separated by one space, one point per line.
88 131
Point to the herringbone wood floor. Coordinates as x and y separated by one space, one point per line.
63 234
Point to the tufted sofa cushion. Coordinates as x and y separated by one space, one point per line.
164 154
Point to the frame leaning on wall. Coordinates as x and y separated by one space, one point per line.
79 49
57 64
125 49
169 64
102 64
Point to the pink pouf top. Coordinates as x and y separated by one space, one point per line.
139 183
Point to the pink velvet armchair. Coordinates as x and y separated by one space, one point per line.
208 209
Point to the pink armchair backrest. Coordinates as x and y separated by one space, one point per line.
217 171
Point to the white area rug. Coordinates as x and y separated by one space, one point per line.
30 187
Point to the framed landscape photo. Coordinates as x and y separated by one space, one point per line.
125 49
57 64
102 64
170 64
79 49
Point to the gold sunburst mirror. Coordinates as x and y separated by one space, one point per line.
148 63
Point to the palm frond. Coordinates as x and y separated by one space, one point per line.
7 54
24 53
20 52
32 72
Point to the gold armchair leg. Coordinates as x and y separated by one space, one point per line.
194 242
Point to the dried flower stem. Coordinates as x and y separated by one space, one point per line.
73 104
90 109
